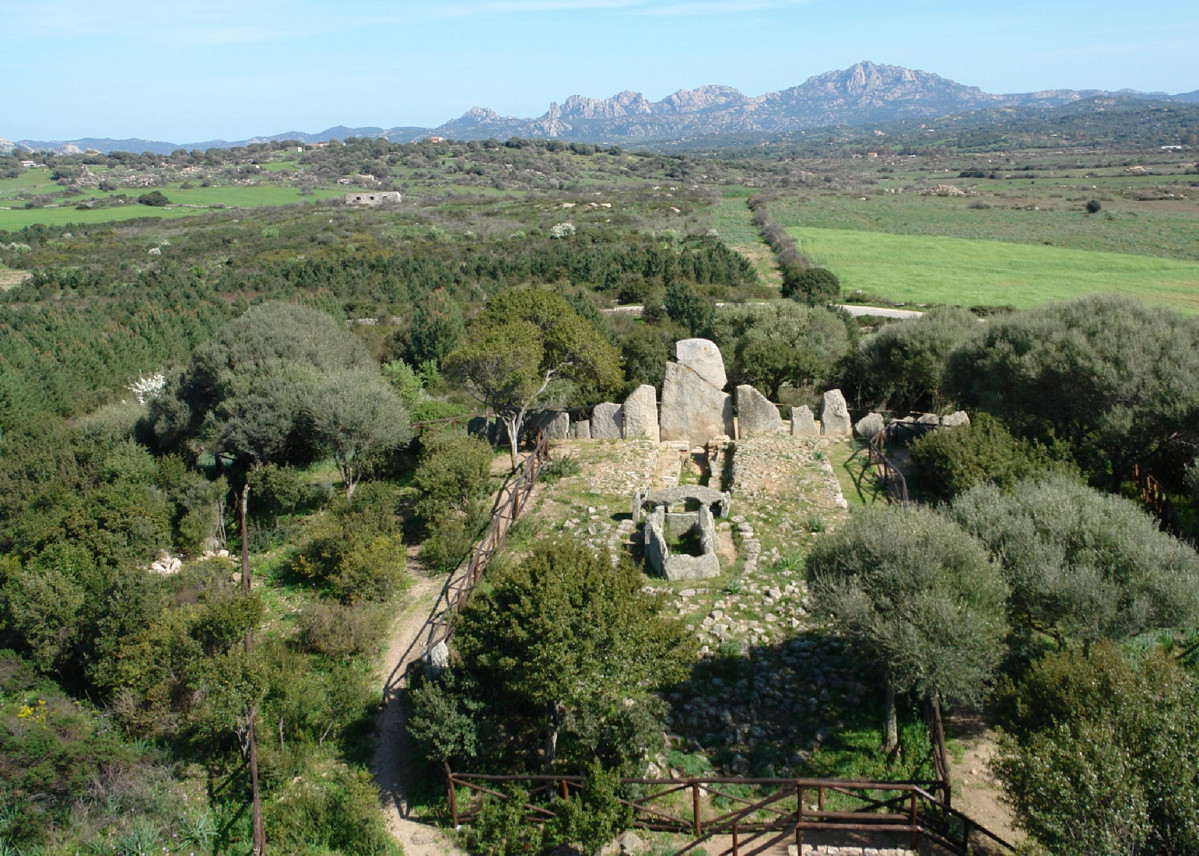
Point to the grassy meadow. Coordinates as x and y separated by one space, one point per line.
928 269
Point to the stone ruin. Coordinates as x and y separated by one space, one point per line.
685 513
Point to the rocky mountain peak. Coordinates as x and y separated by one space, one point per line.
701 99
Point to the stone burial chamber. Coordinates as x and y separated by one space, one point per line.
680 540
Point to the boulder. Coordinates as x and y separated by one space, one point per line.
703 357
834 414
755 413
869 426
802 421
606 421
479 427
581 430
956 419
641 414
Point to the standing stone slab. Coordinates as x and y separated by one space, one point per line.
641 414
555 424
581 430
693 410
869 426
606 421
755 414
834 414
703 357
802 421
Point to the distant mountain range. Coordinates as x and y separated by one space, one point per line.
862 94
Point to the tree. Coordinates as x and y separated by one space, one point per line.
900 367
437 328
357 418
575 638
919 594
154 198
811 285
689 310
1082 565
781 343
523 341
245 390
1119 379
1099 756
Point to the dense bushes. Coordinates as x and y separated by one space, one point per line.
900 368
354 551
1117 378
1100 757
952 461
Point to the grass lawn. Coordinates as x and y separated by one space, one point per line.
932 269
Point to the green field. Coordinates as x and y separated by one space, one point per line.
933 269
1047 214
186 203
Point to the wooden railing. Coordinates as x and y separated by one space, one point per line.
886 472
509 502
1158 501
783 807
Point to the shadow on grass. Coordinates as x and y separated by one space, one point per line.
809 707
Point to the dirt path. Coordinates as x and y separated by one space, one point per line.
976 793
390 764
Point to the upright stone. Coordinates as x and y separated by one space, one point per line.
956 419
702 357
869 426
834 414
606 421
755 413
803 421
555 424
693 410
641 414
581 430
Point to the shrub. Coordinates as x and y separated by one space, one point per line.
1100 759
560 468
1082 565
811 285
339 631
954 460
154 199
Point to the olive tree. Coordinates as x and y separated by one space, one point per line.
919 594
357 418
1116 377
524 341
1082 565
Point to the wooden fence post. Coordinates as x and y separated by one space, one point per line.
915 839
799 819
451 795
695 821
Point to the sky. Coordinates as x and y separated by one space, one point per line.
235 69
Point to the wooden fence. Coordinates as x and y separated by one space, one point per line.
886 472
708 807
509 502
